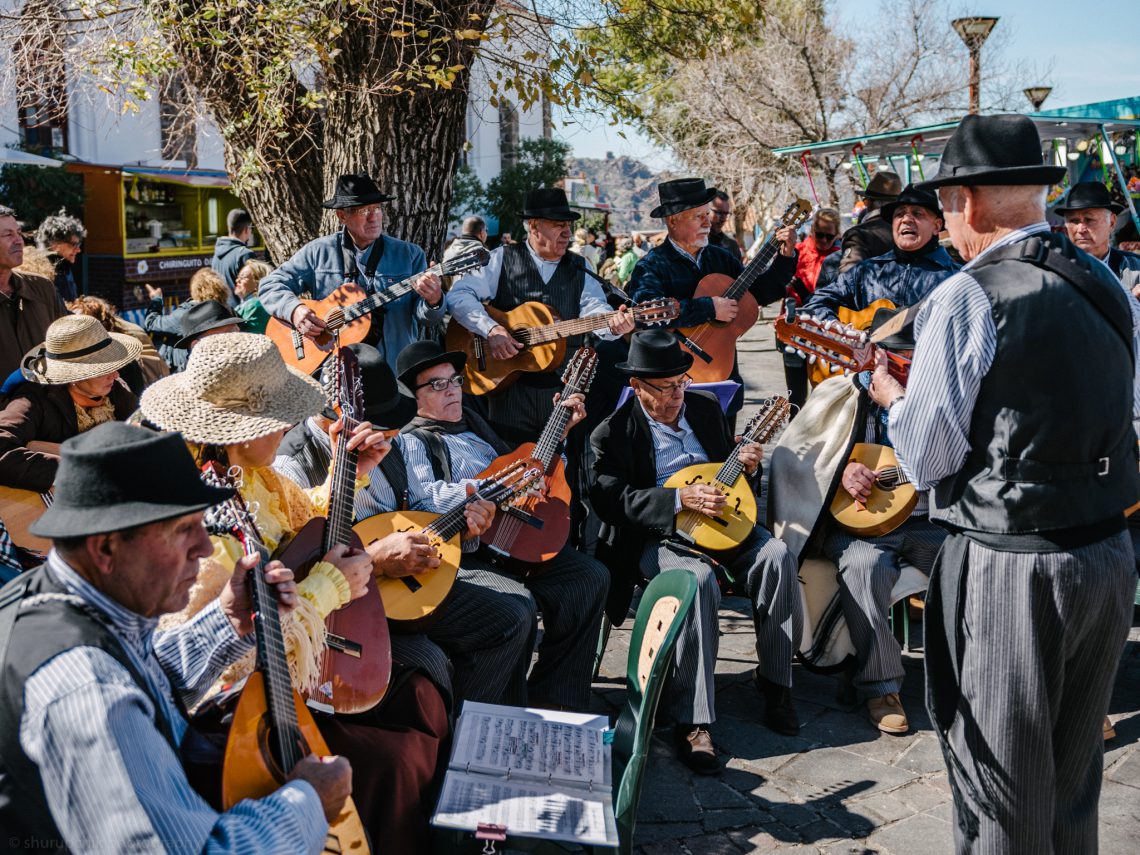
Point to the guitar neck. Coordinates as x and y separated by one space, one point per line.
342 492
374 301
562 329
272 663
755 268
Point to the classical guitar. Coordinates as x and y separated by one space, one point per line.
272 729
714 343
543 336
856 319
535 529
20 508
346 311
357 662
410 601
892 497
734 524
841 347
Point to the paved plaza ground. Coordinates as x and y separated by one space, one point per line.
840 787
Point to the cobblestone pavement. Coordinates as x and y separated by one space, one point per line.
839 787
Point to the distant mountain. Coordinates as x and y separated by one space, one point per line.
628 185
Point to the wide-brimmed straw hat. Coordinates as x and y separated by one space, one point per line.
77 347
236 388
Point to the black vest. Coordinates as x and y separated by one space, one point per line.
520 282
39 620
1051 438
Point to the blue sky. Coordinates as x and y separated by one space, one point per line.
1094 48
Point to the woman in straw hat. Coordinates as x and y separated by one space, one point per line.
72 385
234 403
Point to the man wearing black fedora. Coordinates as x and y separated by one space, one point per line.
675 268
871 236
1090 220
1030 466
207 318
91 708
539 269
359 252
658 431
476 643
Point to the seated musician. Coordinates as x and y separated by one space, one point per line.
445 445
660 430
903 276
73 386
479 638
362 254
91 709
676 266
234 402
540 269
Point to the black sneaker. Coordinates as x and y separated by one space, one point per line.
779 712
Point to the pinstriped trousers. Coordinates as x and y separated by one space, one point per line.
1041 637
869 567
770 573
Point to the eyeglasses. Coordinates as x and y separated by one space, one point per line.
365 211
671 388
825 236
441 383
75 242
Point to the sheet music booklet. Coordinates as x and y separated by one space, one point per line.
530 773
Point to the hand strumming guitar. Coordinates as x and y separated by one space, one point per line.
503 345
858 480
354 564
725 308
331 777
308 323
403 553
702 498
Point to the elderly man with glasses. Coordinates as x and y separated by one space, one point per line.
662 428
360 253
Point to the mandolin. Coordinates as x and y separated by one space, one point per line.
357 661
857 319
543 336
409 601
345 311
535 530
892 497
272 729
841 347
714 343
20 508
732 526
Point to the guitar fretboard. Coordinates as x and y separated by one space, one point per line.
342 491
562 329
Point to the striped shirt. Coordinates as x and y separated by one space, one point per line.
469 454
956 341
110 777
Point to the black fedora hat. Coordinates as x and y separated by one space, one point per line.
354 190
912 195
1088 194
883 186
420 355
988 150
118 476
205 316
681 194
549 203
655 353
384 405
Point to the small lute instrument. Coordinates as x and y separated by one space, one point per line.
272 729
543 336
732 526
535 529
840 347
892 497
856 319
346 311
410 601
357 662
714 343
20 508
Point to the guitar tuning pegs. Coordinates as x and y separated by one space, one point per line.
812 359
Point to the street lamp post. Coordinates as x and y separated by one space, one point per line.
974 32
1037 95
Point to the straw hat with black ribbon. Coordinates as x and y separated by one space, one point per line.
76 348
236 388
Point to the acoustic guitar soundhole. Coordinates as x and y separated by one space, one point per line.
267 741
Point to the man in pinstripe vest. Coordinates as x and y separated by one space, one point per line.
1031 464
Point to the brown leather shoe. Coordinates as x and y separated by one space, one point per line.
1109 730
695 748
887 714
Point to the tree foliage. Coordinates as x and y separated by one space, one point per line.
35 193
539 162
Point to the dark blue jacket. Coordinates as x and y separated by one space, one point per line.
665 272
885 277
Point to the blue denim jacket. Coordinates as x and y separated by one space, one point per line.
318 268
883 277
